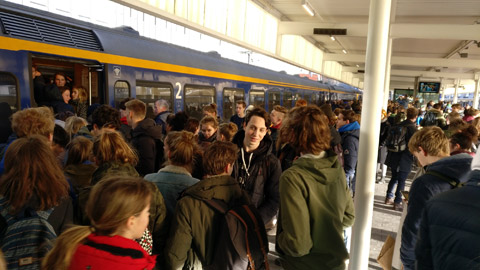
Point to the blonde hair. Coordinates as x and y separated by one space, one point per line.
432 140
79 151
137 107
82 93
210 108
73 124
33 121
111 203
111 147
228 130
183 147
209 120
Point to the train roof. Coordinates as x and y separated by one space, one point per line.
121 41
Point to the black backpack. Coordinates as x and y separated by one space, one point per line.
242 241
430 119
397 139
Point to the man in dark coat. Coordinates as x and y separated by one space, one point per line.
400 163
160 109
145 137
442 173
449 236
256 168
349 130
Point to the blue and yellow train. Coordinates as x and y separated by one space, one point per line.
116 63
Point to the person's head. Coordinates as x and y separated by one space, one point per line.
256 123
345 117
122 108
80 93
73 124
277 115
136 111
240 106
412 113
456 108
226 131
437 106
306 129
180 148
453 116
105 117
219 157
31 169
65 91
208 126
160 106
301 103
457 124
429 142
327 110
33 121
111 147
60 79
210 110
80 150
177 121
192 125
463 139
60 141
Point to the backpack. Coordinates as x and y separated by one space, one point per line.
25 238
430 119
396 140
242 241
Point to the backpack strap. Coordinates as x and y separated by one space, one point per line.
445 178
217 205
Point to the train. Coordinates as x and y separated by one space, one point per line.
116 63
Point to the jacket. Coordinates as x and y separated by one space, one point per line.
204 142
161 120
111 252
423 189
315 208
350 134
449 235
195 225
80 175
261 183
402 161
439 122
143 140
80 107
112 168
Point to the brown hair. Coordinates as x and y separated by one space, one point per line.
241 102
33 121
111 203
209 120
211 108
31 169
192 125
217 156
349 115
280 109
228 130
137 107
82 93
73 124
432 140
79 151
301 103
260 112
306 129
110 146
182 147
465 137
412 113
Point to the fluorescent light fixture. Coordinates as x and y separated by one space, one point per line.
332 38
358 65
344 51
308 8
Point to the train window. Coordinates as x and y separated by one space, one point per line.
196 97
149 92
287 99
257 98
8 90
273 99
230 97
121 91
308 97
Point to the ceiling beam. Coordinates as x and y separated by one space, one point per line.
405 30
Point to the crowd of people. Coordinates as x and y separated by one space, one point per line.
123 191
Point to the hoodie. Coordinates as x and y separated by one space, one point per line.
315 208
145 136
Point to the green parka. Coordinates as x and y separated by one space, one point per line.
315 208
195 225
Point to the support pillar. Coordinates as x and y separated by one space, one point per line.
388 68
442 90
376 61
475 94
455 94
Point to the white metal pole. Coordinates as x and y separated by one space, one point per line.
475 94
455 94
388 68
376 60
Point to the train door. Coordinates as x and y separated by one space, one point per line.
257 97
287 99
230 98
196 97
273 99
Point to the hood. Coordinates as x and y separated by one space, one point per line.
222 187
436 112
324 170
263 149
201 137
80 169
456 167
474 178
147 127
349 127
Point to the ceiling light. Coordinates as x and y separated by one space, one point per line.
308 8
344 51
332 38
358 65
463 55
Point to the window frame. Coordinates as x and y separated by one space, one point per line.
17 92
234 101
197 86
250 96
115 92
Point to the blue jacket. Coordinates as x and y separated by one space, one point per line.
449 236
350 134
423 188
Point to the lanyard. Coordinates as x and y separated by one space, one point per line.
245 164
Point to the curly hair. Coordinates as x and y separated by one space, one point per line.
33 121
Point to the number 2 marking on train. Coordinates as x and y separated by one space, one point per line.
179 91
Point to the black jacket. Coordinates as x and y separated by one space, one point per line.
423 189
264 173
449 236
403 159
145 136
